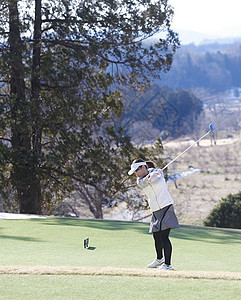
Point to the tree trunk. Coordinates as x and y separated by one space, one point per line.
93 199
36 110
24 175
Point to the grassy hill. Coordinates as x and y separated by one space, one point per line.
45 259
220 166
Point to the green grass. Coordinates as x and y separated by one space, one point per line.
117 287
59 242
56 242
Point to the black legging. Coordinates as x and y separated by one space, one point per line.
162 242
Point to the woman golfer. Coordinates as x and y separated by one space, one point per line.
153 184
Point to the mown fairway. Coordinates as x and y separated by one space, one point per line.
45 259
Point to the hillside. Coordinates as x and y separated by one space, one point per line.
220 166
197 194
215 67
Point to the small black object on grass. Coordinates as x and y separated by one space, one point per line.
86 243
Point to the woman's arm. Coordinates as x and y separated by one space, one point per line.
154 174
151 177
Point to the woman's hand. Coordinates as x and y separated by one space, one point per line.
154 175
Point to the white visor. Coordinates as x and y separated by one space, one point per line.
135 166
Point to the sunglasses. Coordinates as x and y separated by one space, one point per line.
138 168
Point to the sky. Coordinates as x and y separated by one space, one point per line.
219 18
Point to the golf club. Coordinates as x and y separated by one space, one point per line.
212 128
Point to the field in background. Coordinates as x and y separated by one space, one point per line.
45 259
196 195
220 175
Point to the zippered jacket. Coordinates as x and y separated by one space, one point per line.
155 188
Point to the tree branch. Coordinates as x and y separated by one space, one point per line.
5 139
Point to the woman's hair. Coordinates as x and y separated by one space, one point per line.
138 160
150 164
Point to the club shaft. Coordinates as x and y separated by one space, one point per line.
186 150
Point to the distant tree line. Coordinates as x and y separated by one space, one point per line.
213 69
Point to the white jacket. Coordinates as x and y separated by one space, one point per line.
155 188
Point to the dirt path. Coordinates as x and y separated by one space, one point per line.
94 271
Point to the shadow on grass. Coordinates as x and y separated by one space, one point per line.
91 248
19 238
185 232
98 224
207 234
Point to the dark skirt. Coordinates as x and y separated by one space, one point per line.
163 219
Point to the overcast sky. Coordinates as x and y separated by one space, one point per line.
213 17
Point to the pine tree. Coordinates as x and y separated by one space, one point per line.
59 67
